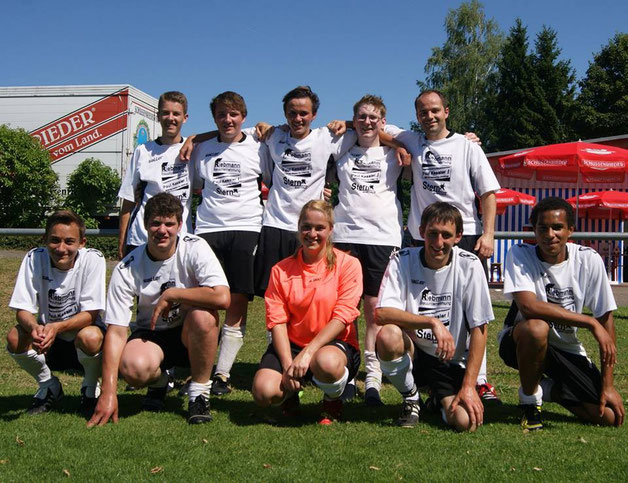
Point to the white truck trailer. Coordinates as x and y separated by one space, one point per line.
77 122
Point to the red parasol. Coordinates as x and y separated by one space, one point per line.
602 204
507 197
596 163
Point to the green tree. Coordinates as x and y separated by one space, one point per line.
28 184
520 112
557 80
603 100
463 68
92 189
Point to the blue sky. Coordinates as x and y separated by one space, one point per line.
263 49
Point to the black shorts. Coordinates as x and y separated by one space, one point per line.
236 252
129 248
444 379
270 359
576 378
62 354
374 260
274 245
169 340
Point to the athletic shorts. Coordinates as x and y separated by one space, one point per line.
274 245
62 354
576 378
374 260
169 340
270 359
443 378
236 252
129 248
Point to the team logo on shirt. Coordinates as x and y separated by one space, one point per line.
565 298
173 313
297 168
436 167
227 177
434 305
365 174
61 306
174 179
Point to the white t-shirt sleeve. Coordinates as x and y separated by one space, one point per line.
401 135
599 295
483 178
517 274
120 297
131 178
92 296
25 292
340 144
393 289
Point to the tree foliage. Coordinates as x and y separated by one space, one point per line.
557 80
28 184
92 188
603 99
463 68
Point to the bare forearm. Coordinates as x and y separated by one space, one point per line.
214 298
477 345
488 201
407 320
281 343
125 216
26 320
332 330
115 339
76 322
532 308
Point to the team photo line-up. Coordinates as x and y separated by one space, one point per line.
426 306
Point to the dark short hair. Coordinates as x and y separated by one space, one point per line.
370 100
173 96
442 96
231 99
442 212
550 204
163 204
301 92
65 217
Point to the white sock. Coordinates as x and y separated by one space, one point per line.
399 373
482 374
34 364
231 341
373 371
546 385
333 390
92 367
536 398
198 388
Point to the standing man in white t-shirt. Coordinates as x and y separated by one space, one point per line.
230 169
299 164
550 283
434 306
368 218
58 296
155 168
179 286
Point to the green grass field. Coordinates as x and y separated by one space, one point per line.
241 445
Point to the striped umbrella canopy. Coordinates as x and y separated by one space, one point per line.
601 205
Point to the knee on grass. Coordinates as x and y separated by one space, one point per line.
266 389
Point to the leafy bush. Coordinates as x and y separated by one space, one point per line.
28 185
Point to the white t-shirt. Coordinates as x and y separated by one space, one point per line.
451 170
299 167
456 294
137 275
230 175
368 210
580 281
56 295
156 168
